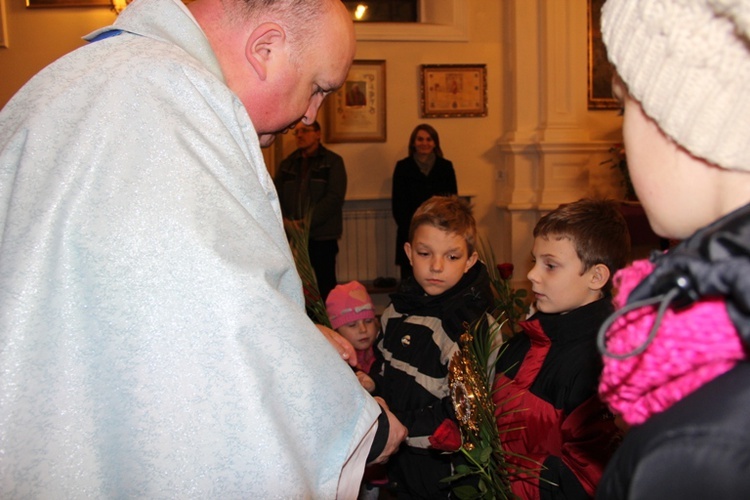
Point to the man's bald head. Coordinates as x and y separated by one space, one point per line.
281 57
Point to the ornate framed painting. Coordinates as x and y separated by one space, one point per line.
600 71
453 90
356 111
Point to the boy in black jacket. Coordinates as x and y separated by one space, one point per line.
549 373
421 327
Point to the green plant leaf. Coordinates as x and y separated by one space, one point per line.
466 492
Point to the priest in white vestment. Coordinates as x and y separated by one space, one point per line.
153 337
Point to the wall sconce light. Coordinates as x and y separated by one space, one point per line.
119 5
359 12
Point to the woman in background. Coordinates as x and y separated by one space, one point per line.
419 176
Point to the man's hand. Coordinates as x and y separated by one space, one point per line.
396 434
343 346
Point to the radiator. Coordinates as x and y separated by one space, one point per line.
367 246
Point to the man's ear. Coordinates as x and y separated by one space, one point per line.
471 261
265 42
407 249
599 276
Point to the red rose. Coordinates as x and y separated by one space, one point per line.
447 436
506 270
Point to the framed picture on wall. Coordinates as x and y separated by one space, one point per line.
3 27
600 71
453 90
356 111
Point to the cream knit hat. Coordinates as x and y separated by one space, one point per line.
688 63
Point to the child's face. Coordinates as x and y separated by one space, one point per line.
360 333
556 279
679 192
439 258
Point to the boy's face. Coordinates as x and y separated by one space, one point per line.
556 279
360 333
439 258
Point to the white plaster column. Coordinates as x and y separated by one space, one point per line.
547 152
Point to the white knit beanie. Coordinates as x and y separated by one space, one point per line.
688 63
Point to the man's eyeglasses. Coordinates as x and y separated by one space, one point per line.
303 130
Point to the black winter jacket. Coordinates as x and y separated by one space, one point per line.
554 368
323 189
421 334
700 447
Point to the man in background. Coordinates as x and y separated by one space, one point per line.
313 179
153 337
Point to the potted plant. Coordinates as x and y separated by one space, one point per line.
619 162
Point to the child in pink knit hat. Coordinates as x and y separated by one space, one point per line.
352 314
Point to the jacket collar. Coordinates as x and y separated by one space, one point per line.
581 322
411 296
715 261
155 19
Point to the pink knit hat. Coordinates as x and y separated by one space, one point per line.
349 303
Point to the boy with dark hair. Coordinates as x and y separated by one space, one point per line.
421 327
548 410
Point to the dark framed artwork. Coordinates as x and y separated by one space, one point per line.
600 71
356 111
453 90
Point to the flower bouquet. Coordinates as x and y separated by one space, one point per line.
470 380
510 303
471 376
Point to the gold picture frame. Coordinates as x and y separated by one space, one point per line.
356 111
3 26
453 90
600 70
